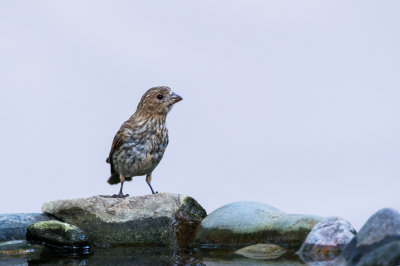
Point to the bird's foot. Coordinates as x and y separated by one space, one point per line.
155 192
120 195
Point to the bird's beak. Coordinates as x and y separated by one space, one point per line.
175 98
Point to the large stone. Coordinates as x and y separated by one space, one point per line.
161 219
378 241
13 226
57 233
244 223
327 239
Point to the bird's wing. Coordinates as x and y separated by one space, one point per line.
117 142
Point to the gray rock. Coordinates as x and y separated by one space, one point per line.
13 226
244 223
388 254
57 233
161 219
327 239
378 241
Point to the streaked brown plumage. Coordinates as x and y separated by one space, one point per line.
140 143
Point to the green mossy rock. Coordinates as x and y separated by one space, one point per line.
57 233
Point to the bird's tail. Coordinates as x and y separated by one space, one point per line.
114 179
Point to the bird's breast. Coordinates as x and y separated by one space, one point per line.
140 154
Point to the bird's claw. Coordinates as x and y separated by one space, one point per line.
120 196
155 192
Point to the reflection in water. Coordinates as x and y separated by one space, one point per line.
111 256
141 256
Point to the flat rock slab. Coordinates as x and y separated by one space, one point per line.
13 226
244 223
327 239
161 219
262 251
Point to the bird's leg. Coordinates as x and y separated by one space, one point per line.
121 195
148 180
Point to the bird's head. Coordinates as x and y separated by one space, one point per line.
158 101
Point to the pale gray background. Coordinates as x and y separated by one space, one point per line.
291 103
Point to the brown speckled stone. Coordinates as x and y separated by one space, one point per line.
327 239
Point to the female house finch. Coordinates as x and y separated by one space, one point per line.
140 143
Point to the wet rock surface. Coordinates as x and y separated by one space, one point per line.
262 251
154 220
13 226
327 239
377 242
244 223
57 233
158 230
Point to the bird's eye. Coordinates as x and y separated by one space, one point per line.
160 96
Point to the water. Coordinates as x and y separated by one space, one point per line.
139 256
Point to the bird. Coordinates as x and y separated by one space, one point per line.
140 143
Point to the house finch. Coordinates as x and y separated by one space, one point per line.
140 143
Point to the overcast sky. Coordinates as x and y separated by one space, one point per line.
290 103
